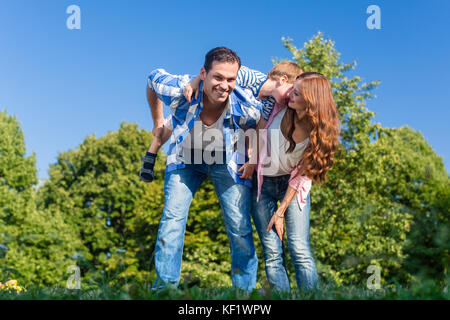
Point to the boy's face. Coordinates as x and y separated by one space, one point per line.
281 91
220 81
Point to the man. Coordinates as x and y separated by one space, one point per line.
225 109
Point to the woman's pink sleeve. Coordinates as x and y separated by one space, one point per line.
303 186
297 181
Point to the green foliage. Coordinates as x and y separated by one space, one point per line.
139 291
350 94
115 215
385 202
381 180
38 243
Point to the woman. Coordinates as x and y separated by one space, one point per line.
303 139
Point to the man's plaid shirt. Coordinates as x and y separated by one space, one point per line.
244 112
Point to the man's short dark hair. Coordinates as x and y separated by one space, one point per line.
220 54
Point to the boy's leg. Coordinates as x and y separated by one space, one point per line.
235 203
148 162
179 189
163 134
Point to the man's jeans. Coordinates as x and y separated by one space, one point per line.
297 232
179 188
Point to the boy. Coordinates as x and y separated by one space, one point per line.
267 89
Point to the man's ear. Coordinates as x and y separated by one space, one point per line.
202 74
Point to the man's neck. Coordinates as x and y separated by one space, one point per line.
211 111
213 107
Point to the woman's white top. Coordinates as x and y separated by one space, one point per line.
281 162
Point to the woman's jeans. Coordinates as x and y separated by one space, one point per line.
297 232
235 200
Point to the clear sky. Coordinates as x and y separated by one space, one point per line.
64 85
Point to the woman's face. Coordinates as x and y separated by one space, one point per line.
296 100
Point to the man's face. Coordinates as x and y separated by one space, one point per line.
219 82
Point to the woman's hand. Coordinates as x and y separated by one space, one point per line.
247 170
192 88
277 221
277 218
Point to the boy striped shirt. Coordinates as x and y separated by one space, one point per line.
253 80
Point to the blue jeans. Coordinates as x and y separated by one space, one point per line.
297 232
179 189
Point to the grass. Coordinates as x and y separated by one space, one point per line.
425 290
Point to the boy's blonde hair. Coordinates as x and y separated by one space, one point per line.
285 68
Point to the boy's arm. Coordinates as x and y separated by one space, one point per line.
192 88
267 107
252 79
249 78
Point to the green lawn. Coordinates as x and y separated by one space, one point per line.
425 290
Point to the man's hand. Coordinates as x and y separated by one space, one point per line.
158 125
158 132
247 170
193 87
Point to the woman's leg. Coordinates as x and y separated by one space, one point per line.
262 212
297 231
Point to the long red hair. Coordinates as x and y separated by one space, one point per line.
322 117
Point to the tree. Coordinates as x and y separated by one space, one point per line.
97 189
37 245
381 179
386 193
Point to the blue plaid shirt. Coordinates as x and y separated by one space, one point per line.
244 112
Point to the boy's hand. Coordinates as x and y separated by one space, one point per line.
192 88
247 170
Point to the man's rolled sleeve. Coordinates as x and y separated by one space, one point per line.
166 86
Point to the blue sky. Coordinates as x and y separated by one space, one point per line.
64 85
